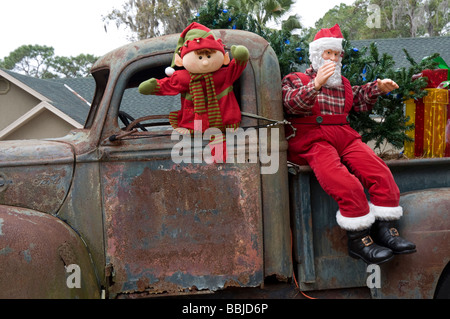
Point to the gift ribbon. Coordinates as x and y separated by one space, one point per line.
443 65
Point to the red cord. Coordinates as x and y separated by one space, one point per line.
293 275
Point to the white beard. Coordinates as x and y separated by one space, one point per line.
333 81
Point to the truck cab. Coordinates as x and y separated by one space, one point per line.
106 211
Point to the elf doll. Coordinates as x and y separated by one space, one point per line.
318 103
206 87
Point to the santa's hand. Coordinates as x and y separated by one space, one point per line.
386 85
240 53
148 87
323 74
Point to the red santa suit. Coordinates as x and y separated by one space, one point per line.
342 163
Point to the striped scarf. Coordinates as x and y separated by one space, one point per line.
205 104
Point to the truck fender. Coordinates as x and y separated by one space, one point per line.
42 257
426 222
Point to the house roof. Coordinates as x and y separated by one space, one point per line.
57 94
72 96
138 105
418 48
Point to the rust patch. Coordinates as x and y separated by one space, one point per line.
184 226
142 284
337 237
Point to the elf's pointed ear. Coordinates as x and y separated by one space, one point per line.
178 60
226 59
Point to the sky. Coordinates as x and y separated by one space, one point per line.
76 27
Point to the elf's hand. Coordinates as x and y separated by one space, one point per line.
386 85
148 87
240 53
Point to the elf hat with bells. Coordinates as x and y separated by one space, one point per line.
195 37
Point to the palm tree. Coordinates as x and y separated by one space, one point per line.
263 11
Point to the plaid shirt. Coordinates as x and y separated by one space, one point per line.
299 99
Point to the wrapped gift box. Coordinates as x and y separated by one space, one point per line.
410 113
435 77
447 132
431 118
435 122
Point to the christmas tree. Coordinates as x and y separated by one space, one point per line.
386 123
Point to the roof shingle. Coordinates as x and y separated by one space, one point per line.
418 48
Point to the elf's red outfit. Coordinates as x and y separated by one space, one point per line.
342 163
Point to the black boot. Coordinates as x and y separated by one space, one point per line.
361 245
385 234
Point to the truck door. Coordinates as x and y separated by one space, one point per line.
170 227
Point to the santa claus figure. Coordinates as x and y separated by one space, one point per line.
317 103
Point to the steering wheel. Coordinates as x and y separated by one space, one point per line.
131 127
136 123
126 119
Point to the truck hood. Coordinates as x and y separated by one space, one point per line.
35 174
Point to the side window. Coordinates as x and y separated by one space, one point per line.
135 105
156 109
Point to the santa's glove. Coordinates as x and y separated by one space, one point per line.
148 87
240 53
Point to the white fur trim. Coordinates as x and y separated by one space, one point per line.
386 213
323 44
169 71
355 223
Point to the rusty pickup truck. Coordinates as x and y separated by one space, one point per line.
108 211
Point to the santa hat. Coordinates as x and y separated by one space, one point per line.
327 39
196 37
